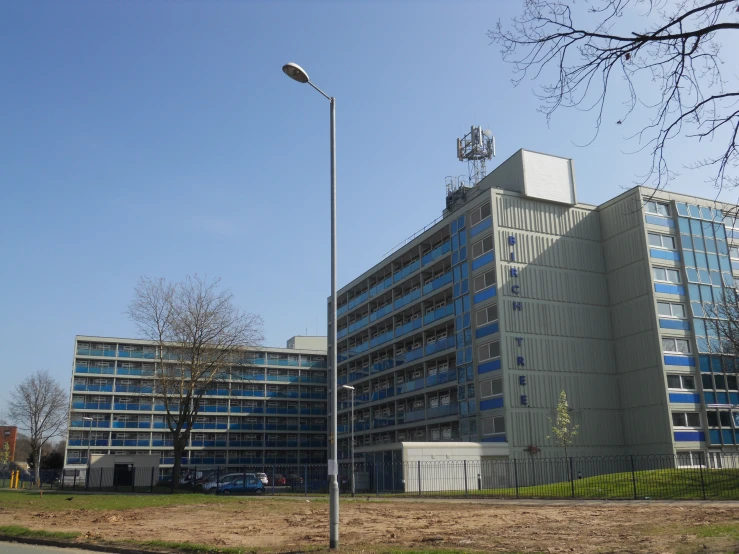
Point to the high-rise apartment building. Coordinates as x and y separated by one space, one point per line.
270 410
471 330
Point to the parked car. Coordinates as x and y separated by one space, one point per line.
242 485
278 480
212 484
293 480
263 478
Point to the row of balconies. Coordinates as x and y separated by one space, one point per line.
232 458
233 444
101 368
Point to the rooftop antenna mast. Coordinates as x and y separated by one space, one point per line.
476 147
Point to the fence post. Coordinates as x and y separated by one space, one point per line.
101 480
700 466
87 478
305 478
133 479
515 475
419 477
465 479
151 484
572 479
633 474
74 481
274 472
377 481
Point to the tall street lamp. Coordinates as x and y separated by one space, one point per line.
349 387
297 73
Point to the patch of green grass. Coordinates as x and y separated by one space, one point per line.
18 531
195 548
669 484
724 530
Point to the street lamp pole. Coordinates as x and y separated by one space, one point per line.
297 73
349 387
89 438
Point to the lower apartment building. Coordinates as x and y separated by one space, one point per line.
470 331
270 410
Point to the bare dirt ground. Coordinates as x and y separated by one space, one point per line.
369 525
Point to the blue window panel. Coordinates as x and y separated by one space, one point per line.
487 330
685 397
488 366
709 397
482 260
484 295
500 438
722 398
689 436
728 436
669 289
491 404
480 227
680 360
734 398
656 220
715 436
664 254
683 324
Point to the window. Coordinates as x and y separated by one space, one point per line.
481 247
669 309
691 459
681 346
662 241
493 425
734 252
657 208
665 274
480 213
487 315
491 388
488 351
682 382
686 419
484 281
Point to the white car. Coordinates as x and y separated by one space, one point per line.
263 478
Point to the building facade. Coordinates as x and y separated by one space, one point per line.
9 436
471 330
270 410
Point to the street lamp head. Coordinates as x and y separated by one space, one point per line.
295 72
347 387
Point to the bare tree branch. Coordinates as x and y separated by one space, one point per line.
678 59
200 335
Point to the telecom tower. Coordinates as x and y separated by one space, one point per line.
475 147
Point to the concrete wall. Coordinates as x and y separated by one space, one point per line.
641 382
308 343
560 339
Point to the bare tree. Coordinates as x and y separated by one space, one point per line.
199 333
671 68
38 406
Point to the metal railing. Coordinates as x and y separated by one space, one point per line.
684 476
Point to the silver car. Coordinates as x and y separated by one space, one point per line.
263 478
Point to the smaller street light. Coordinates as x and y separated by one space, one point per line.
349 387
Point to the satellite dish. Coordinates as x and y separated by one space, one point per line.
488 133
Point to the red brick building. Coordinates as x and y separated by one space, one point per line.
8 435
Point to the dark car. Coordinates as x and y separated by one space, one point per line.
294 480
278 480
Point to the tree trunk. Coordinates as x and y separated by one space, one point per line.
37 467
179 449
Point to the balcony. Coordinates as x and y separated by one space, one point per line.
133 407
93 388
408 327
88 424
96 352
313 363
383 422
209 426
247 409
217 409
247 393
201 443
440 345
410 386
381 286
161 443
410 356
131 425
377 314
437 252
442 411
407 299
358 349
91 406
318 379
407 270
438 283
449 376
245 444
130 442
86 442
246 426
283 363
94 370
283 394
136 354
358 324
382 394
134 389
438 314
137 371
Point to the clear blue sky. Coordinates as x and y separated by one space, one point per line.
161 138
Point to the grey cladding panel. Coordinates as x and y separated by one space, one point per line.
557 285
553 251
550 219
566 355
565 320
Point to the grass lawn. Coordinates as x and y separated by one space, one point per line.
668 484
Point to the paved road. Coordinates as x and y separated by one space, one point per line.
15 548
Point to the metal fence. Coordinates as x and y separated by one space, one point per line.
615 477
